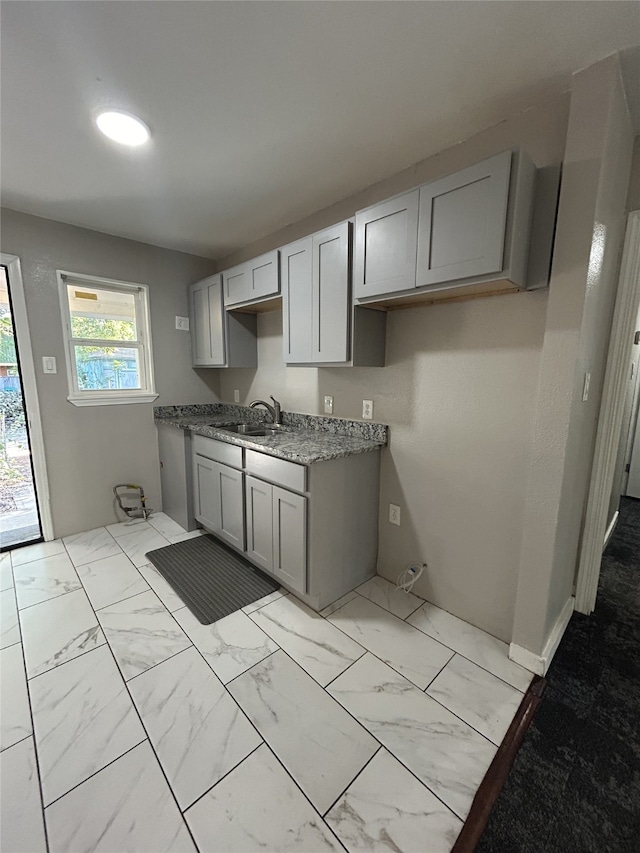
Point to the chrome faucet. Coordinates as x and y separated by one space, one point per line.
275 411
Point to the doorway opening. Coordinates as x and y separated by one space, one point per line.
19 509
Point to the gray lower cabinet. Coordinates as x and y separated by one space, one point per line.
219 503
313 527
277 531
219 339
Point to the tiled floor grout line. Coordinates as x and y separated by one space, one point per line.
22 739
33 728
257 663
144 728
95 772
215 784
358 774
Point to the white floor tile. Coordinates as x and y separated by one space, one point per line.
387 809
266 599
37 551
440 749
15 719
336 605
481 699
9 629
321 649
91 546
396 601
392 640
83 719
6 575
21 819
476 645
180 537
43 579
198 731
167 595
58 630
127 807
110 580
230 646
136 545
317 741
132 525
258 808
165 525
141 633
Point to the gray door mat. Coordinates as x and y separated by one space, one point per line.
211 579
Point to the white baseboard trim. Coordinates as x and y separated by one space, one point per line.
540 663
610 529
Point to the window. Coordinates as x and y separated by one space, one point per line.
108 342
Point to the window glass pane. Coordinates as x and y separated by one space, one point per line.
106 368
104 314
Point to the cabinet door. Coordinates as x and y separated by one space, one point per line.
290 538
207 323
236 284
259 514
462 222
206 492
264 276
331 297
385 246
230 520
297 301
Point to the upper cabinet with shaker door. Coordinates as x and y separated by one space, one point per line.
320 324
385 246
252 280
472 235
219 339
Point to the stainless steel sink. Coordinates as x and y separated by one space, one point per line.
252 429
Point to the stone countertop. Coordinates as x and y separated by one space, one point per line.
295 443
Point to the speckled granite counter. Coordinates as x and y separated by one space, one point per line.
304 438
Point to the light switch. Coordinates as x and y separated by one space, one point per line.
49 364
182 324
328 405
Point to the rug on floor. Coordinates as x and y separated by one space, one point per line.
211 579
575 784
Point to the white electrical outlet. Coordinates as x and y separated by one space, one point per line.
367 409
585 388
394 514
328 405
182 324
236 396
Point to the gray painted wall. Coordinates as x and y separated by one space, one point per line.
90 449
458 391
591 222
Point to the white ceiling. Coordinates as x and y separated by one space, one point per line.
264 112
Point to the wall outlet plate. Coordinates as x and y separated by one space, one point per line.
182 324
367 409
394 514
49 364
328 405
585 387
236 396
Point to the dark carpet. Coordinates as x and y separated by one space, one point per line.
575 784
211 579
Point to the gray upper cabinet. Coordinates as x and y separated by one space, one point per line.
253 280
464 234
219 339
320 324
385 246
207 322
462 222
297 296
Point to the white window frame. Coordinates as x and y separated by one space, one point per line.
116 396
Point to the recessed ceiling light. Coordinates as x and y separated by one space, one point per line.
123 127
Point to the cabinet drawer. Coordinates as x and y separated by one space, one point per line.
280 471
228 454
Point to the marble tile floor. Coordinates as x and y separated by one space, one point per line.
128 726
